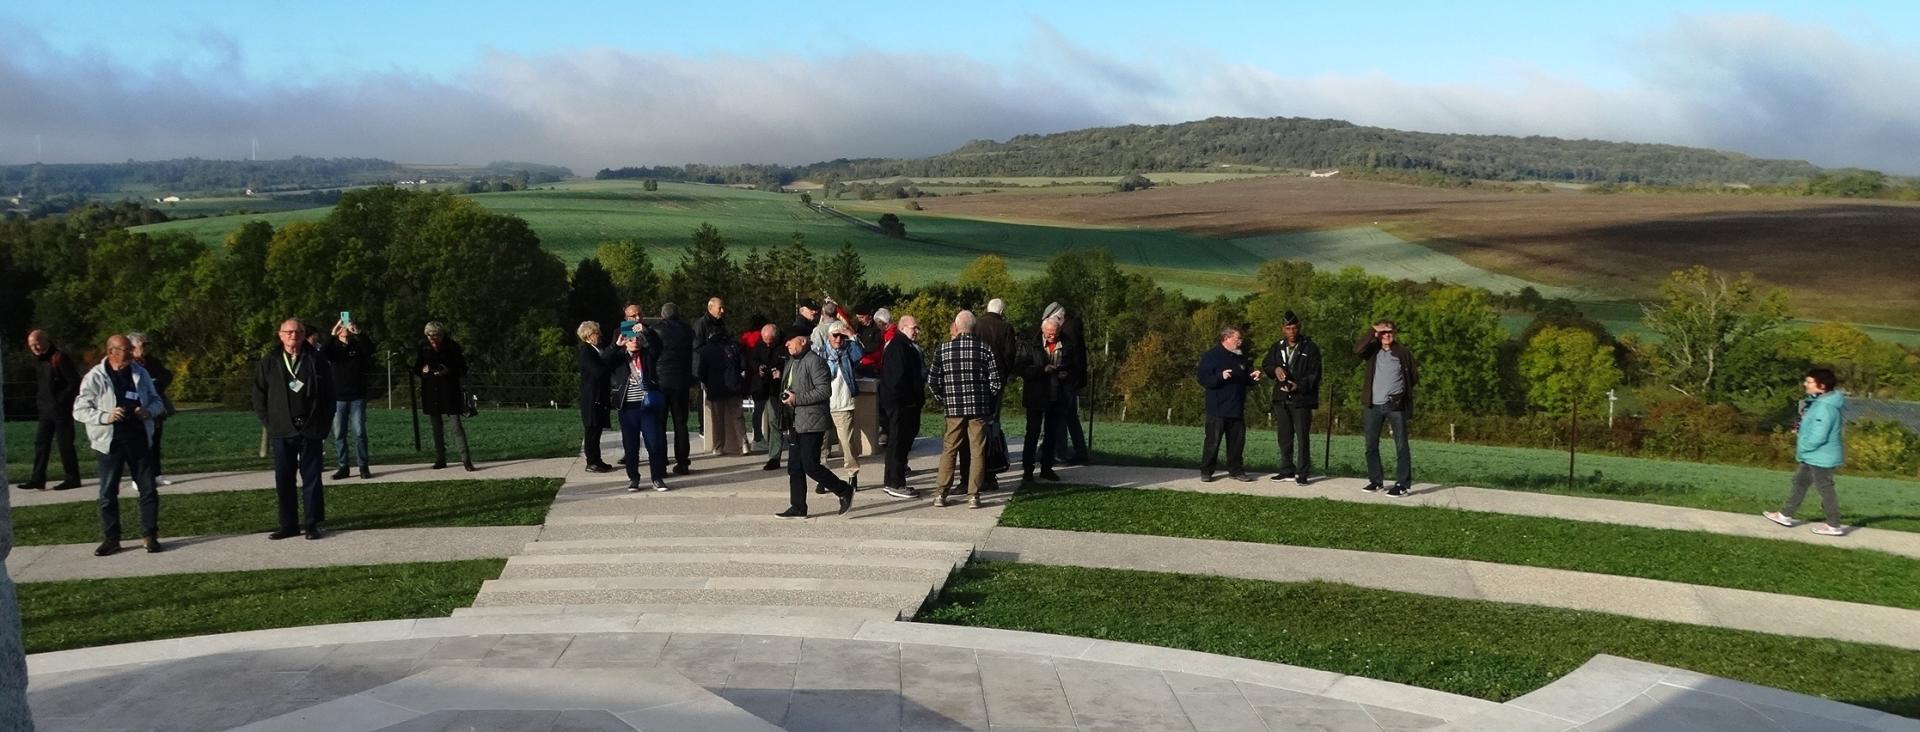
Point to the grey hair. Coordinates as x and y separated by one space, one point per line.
996 306
1227 331
586 327
964 321
669 310
434 328
137 338
883 315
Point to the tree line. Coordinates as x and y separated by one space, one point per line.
1719 383
69 185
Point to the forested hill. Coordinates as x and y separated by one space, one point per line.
43 181
1284 142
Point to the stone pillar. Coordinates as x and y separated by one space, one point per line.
13 656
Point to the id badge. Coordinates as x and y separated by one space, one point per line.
295 385
133 396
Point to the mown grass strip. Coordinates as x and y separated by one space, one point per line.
1475 648
512 502
1699 558
97 612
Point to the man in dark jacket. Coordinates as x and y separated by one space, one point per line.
764 363
805 388
595 394
996 334
1073 333
1293 363
1045 398
442 365
1226 374
964 380
350 358
58 379
673 340
293 397
722 384
1387 392
804 319
903 392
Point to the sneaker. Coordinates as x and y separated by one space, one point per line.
109 546
898 492
1302 480
1781 519
633 487
660 486
164 480
1371 487
1207 478
940 500
599 468
340 474
973 502
1277 477
152 545
1830 530
1397 491
1242 477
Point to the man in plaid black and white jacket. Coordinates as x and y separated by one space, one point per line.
967 384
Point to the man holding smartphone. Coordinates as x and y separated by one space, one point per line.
1390 376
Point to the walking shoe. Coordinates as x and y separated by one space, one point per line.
153 545
1048 474
1781 519
1371 487
660 486
468 464
438 464
340 474
1397 491
819 490
1026 477
773 464
1277 477
1302 480
1242 477
313 533
898 492
1830 530
163 480
599 468
283 534
633 487
109 546
365 472
1207 478
940 500
973 502
67 485
846 501
681 469
32 486
792 513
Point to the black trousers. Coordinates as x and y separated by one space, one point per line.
903 427
58 428
1236 433
129 454
590 445
1046 432
1294 426
1403 455
803 463
1073 427
677 420
300 457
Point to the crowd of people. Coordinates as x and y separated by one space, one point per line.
792 392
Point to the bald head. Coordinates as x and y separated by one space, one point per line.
119 351
38 343
909 326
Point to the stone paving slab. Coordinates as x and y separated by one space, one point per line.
254 551
1629 596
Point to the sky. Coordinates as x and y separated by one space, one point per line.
604 84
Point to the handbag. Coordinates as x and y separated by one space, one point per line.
996 447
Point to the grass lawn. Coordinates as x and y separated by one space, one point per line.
516 502
1743 563
1882 503
205 440
1489 650
98 612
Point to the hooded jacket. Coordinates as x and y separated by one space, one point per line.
1821 442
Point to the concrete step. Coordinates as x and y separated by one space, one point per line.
704 611
826 546
676 503
886 568
899 598
633 527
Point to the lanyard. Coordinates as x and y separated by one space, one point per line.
289 361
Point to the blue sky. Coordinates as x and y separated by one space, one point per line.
545 70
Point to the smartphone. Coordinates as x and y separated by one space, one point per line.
346 318
626 328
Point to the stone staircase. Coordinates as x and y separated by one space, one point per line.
713 546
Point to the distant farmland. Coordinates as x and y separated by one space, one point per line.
1845 260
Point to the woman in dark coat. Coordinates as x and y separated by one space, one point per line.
441 365
594 389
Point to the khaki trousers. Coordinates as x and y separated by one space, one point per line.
850 446
973 432
723 426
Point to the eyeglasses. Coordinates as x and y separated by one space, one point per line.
289 332
1387 332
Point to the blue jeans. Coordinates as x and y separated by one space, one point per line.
128 454
350 414
639 423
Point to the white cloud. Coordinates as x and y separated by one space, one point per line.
1751 83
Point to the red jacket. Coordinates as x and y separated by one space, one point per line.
870 361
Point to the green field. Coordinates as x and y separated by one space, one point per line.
1175 178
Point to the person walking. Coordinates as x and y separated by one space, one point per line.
442 364
634 377
764 364
1293 363
966 383
57 381
673 352
293 397
806 388
722 384
349 357
903 393
843 353
1226 374
1046 401
145 356
118 402
596 393
1387 389
1820 449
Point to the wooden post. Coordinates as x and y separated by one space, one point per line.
1573 441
